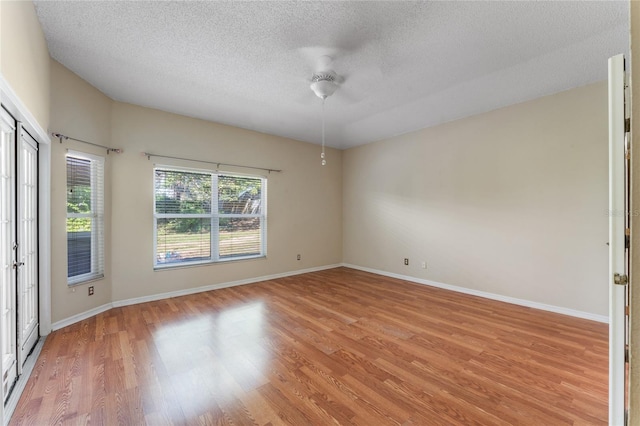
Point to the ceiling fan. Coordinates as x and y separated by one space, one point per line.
325 81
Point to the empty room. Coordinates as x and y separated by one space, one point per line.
316 213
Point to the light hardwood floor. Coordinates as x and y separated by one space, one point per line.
333 347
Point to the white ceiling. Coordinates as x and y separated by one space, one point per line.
407 65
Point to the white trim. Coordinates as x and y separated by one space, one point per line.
617 251
44 279
214 216
134 301
81 316
20 112
96 181
487 295
10 100
154 297
188 291
85 156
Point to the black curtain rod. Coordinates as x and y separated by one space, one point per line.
109 150
149 155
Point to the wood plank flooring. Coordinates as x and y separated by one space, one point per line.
333 347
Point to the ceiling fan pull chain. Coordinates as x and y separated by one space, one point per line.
323 162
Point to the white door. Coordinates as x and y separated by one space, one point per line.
7 251
18 248
27 259
618 225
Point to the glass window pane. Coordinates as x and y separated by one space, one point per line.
183 240
239 195
240 237
182 192
78 185
78 246
85 218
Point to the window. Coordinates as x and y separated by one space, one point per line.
85 217
203 217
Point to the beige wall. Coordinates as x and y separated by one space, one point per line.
304 201
511 202
24 57
80 111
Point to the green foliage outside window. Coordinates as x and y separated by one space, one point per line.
182 193
79 201
181 196
191 193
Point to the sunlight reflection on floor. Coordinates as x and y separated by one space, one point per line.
215 357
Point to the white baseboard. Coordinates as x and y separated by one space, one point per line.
134 301
487 295
81 316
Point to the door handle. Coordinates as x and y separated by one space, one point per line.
16 265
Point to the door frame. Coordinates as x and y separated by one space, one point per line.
11 372
21 113
618 216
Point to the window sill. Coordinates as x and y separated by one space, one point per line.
84 280
177 265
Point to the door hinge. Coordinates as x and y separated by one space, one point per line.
626 353
627 238
627 125
620 279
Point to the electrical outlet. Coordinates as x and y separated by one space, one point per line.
424 265
298 257
91 290
406 261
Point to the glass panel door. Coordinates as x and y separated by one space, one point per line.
27 246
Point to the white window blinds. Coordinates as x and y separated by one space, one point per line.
241 222
85 217
208 217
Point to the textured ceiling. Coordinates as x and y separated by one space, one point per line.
407 65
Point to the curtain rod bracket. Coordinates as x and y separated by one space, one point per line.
59 136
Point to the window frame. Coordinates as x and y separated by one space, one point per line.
214 217
97 165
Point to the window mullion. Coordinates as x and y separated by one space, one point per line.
215 219
79 215
263 218
94 228
182 215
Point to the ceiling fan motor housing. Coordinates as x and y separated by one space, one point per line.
324 84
